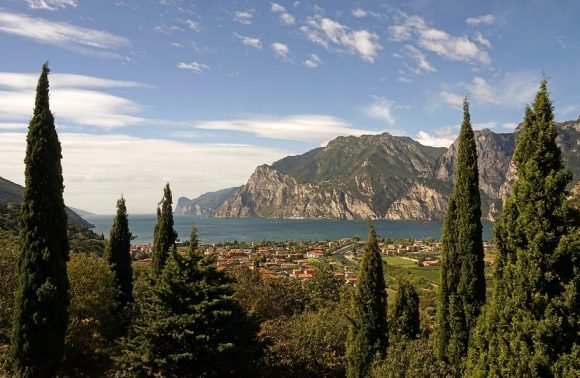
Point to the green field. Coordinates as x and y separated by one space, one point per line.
397 265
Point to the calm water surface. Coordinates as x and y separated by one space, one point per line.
212 230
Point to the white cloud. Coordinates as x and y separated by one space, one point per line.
487 19
428 140
73 100
314 128
509 125
250 41
51 4
456 48
418 61
285 17
97 169
482 40
452 98
332 34
244 17
512 90
359 13
194 67
312 61
193 25
58 80
482 91
277 8
381 108
280 49
62 34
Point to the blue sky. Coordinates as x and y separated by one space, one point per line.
198 93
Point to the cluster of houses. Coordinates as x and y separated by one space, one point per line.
275 262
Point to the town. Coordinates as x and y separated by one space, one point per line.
301 259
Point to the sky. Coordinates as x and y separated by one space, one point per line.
198 93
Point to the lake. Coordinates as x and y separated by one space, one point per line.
212 230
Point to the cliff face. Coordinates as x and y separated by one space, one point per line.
205 204
382 177
427 198
272 194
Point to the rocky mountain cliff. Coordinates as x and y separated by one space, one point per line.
350 178
205 204
376 176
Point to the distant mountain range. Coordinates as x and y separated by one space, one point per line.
11 195
374 176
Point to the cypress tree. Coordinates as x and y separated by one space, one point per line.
118 256
368 331
42 300
191 326
531 327
164 237
406 312
462 287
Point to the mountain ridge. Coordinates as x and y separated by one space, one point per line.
379 177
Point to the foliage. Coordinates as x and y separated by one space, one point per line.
309 344
191 325
412 358
323 288
462 288
164 234
92 312
269 299
406 322
531 327
41 315
118 256
368 331
8 286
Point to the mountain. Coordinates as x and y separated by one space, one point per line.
350 178
381 177
82 213
427 198
11 195
205 204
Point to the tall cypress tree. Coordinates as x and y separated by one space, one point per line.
462 288
368 331
165 236
531 327
42 300
118 256
406 312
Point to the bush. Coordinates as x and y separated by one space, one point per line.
92 307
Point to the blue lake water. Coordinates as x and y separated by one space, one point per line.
212 230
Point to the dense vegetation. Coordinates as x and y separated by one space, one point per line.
97 314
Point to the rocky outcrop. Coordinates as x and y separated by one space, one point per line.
205 204
421 202
272 194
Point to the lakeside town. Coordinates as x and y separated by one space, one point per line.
301 259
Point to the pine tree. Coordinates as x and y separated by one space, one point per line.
118 256
191 326
41 307
462 288
406 312
368 331
531 327
164 237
